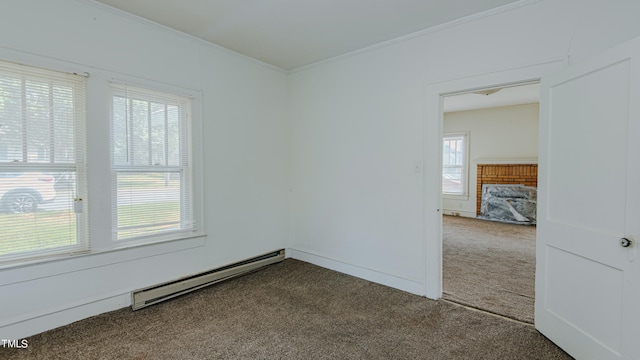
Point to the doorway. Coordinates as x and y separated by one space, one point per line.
490 264
434 94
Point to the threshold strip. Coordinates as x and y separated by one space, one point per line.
473 308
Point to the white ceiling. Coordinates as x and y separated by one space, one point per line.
293 33
515 95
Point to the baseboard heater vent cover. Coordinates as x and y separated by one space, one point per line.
161 292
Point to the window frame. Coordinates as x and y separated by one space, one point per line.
78 165
187 170
464 167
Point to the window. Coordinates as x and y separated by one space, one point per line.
151 164
454 164
42 166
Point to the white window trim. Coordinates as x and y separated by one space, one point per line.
195 163
97 191
465 166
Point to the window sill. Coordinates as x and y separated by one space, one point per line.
155 239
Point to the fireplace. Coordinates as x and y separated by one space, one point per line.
523 179
509 203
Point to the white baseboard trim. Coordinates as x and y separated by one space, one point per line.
462 213
359 272
36 324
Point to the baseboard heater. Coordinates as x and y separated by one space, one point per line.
165 291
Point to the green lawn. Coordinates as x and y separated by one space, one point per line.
50 229
36 231
150 213
148 180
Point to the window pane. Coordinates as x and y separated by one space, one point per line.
452 180
148 203
45 120
37 119
458 152
140 132
453 165
173 119
37 211
11 131
446 151
120 127
453 152
158 134
63 124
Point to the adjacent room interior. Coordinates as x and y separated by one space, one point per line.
490 144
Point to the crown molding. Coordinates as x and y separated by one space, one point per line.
197 40
420 33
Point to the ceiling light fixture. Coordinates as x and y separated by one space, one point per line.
487 92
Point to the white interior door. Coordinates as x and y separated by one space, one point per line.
587 283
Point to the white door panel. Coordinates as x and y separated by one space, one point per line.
587 284
589 149
570 298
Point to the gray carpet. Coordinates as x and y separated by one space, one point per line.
490 265
293 310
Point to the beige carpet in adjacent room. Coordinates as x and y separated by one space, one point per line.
293 310
490 266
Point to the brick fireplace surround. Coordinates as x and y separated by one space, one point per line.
522 174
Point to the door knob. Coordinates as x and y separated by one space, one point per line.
624 242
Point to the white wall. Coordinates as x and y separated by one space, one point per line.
358 130
500 135
242 148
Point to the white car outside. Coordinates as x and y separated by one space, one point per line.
22 192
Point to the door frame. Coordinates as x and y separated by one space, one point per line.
435 91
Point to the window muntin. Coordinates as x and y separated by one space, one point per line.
151 164
42 170
454 164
